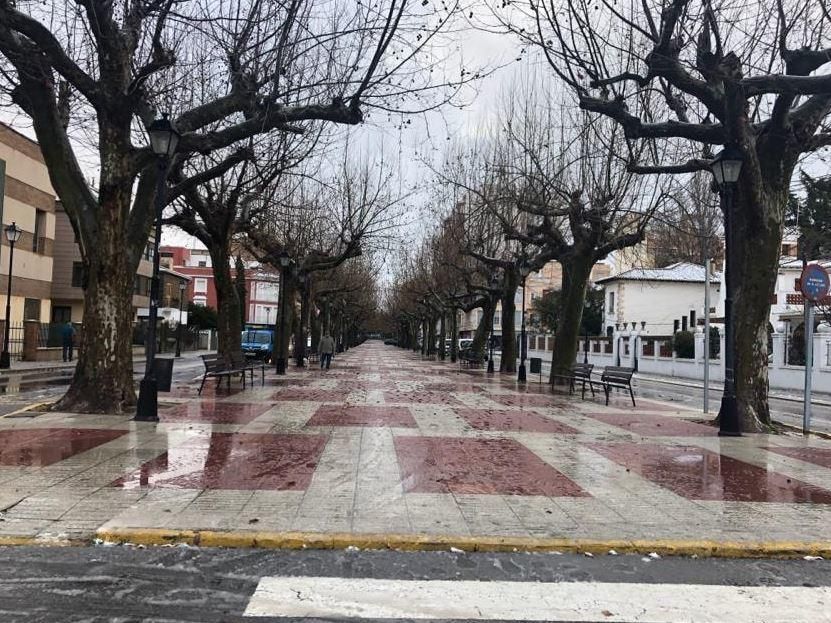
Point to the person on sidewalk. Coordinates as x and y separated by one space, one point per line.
326 348
67 340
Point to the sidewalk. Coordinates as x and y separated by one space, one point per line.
385 449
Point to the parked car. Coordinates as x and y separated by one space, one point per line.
258 343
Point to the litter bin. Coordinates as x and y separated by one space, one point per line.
536 365
163 370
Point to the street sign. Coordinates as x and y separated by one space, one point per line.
814 282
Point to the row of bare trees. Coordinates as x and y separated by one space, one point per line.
543 184
682 76
239 79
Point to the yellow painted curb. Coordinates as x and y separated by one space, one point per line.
427 542
31 407
40 541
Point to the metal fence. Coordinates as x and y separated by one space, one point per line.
16 341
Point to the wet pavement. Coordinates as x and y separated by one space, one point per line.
386 442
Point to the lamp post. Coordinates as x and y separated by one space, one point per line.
182 288
13 233
523 350
280 359
493 283
726 167
163 139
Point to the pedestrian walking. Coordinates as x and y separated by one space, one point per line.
67 340
326 348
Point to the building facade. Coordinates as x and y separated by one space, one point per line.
68 276
28 200
659 301
537 284
262 286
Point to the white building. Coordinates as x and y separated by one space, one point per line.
658 300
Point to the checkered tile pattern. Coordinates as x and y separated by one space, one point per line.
388 442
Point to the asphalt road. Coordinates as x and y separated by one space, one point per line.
121 584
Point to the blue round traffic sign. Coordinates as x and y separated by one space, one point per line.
815 282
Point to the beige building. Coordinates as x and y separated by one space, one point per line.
28 200
67 282
550 277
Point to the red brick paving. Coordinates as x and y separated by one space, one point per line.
233 461
526 400
46 446
698 474
214 412
519 421
421 397
338 415
817 456
485 466
311 395
652 424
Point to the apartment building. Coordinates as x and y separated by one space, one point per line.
549 277
28 200
262 286
67 279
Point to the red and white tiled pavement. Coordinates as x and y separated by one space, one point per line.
387 443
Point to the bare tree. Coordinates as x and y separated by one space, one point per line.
690 74
320 224
688 228
92 74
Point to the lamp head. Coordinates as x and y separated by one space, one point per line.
13 233
727 166
164 138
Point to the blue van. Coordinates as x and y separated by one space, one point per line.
258 343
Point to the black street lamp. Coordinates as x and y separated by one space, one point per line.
493 283
726 167
523 346
13 233
280 359
182 288
163 139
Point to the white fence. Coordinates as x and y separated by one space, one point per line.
654 355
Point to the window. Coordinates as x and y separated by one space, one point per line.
202 264
39 237
611 309
148 253
77 275
31 309
200 300
200 284
497 318
141 285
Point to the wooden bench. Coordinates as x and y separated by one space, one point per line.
240 362
470 359
617 377
579 373
218 368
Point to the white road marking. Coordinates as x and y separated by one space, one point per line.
534 601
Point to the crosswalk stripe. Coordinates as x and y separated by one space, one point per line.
537 601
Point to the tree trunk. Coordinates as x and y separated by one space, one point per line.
507 362
302 334
431 336
756 251
483 329
454 340
425 339
576 271
443 336
284 327
229 316
103 379
239 284
314 328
